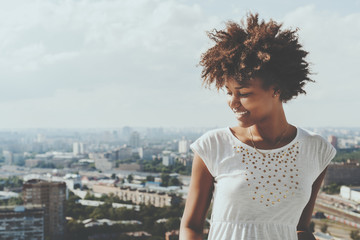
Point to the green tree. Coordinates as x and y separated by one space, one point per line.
89 196
174 181
76 231
342 155
150 178
165 179
333 188
130 178
355 235
172 224
324 228
16 201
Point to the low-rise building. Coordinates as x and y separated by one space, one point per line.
22 222
343 173
139 195
350 193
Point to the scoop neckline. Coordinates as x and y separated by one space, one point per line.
265 150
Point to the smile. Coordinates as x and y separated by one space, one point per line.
236 111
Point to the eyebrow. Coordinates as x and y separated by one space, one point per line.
238 87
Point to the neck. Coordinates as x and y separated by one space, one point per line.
271 130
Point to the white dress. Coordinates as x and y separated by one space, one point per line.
257 197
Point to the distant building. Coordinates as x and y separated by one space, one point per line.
350 193
184 146
138 152
125 153
149 153
333 140
155 133
126 131
8 156
40 138
343 173
129 167
22 222
52 196
134 140
139 196
32 162
103 164
167 158
78 148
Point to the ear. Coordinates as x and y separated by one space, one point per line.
276 92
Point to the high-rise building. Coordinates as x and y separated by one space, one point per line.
22 222
126 131
134 140
168 158
78 148
8 157
52 196
184 146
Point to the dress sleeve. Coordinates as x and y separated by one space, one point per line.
203 147
327 153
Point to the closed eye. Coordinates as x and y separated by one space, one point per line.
239 94
244 94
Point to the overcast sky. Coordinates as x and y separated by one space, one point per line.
109 63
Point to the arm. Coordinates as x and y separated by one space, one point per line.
303 225
197 202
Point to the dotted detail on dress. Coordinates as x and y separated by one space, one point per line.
273 177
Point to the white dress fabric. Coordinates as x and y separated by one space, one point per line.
260 197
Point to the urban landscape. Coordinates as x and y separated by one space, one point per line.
132 183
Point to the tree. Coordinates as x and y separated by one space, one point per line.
172 224
76 231
89 196
130 178
165 179
174 182
355 235
324 228
150 178
332 188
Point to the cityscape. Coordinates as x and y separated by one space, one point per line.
132 183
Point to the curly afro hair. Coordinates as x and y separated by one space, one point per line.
257 49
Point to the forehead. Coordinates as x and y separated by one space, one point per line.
231 82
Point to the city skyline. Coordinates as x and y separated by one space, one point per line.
108 64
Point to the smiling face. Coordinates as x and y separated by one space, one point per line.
252 104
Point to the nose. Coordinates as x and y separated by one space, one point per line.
234 101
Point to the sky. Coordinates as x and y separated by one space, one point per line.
114 63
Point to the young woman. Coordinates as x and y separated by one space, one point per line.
263 174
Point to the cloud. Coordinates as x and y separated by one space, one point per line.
134 62
84 44
333 43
